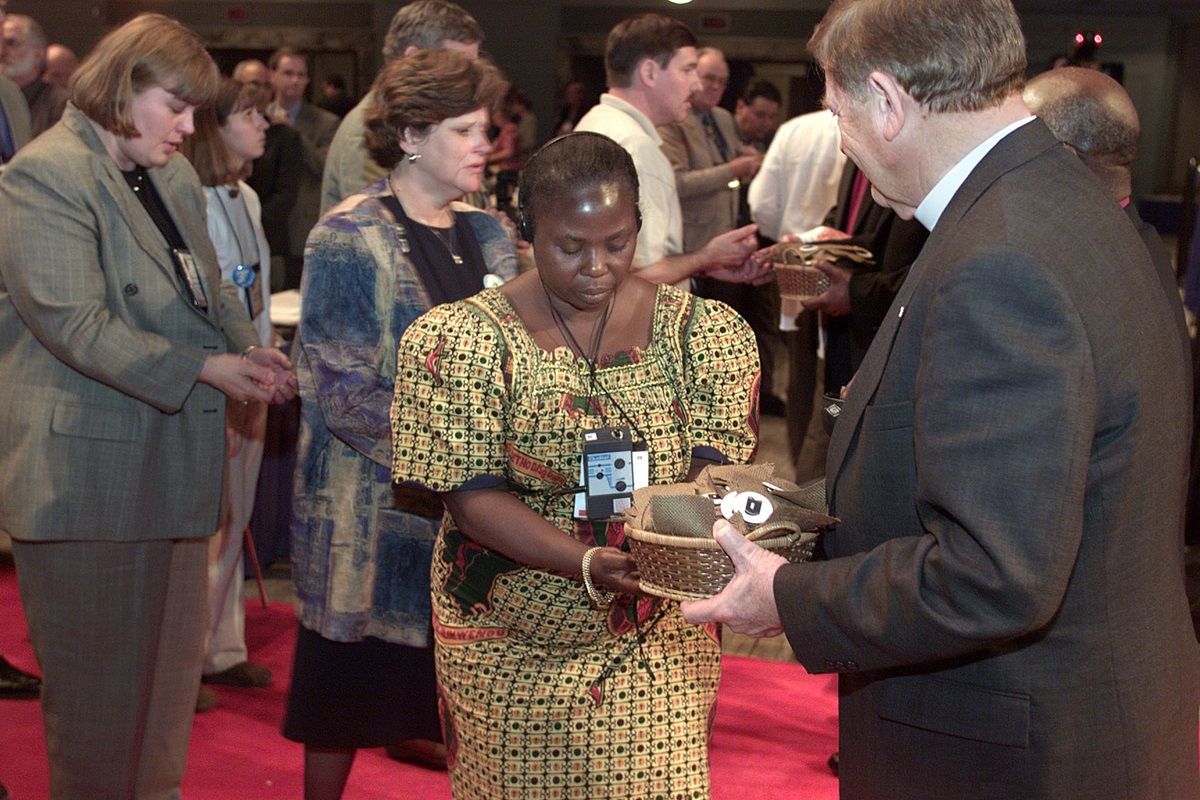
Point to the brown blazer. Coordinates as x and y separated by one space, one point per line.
702 177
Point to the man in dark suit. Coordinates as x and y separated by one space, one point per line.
289 77
859 297
1004 596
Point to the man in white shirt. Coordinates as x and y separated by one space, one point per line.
651 64
798 182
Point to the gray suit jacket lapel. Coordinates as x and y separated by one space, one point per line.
109 177
1018 147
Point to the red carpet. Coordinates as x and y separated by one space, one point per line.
776 725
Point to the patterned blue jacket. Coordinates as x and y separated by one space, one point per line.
361 567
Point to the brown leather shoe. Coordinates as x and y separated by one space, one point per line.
206 700
422 752
245 674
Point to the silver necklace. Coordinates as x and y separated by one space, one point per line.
446 236
448 239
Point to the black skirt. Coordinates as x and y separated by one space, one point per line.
360 694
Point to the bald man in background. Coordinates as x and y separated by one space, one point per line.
61 63
1094 116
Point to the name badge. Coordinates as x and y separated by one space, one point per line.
189 273
246 277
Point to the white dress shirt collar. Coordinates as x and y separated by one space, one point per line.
931 208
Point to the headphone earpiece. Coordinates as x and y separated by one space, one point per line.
525 226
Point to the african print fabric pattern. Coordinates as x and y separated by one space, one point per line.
543 695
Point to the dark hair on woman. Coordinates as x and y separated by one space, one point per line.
569 162
206 148
414 93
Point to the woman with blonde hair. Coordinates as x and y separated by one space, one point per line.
119 345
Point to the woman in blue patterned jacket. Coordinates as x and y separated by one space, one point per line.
363 674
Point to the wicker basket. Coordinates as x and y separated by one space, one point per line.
687 568
800 282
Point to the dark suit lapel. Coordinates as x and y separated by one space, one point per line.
697 142
866 380
1015 149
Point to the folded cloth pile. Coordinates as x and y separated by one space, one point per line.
751 497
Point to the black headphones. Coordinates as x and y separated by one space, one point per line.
525 226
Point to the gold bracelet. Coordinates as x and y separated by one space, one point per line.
250 349
601 598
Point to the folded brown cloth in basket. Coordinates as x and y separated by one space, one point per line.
750 496
808 253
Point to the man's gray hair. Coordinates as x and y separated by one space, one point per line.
426 24
949 55
37 36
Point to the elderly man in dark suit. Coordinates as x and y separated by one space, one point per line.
1004 593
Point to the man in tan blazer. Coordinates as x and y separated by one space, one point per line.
711 167
707 156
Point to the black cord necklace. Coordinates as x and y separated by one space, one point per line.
446 236
572 342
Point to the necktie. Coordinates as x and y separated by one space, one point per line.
714 135
858 193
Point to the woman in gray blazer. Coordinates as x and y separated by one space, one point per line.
119 345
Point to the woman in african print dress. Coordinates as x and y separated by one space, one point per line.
551 687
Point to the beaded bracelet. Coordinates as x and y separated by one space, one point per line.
601 598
